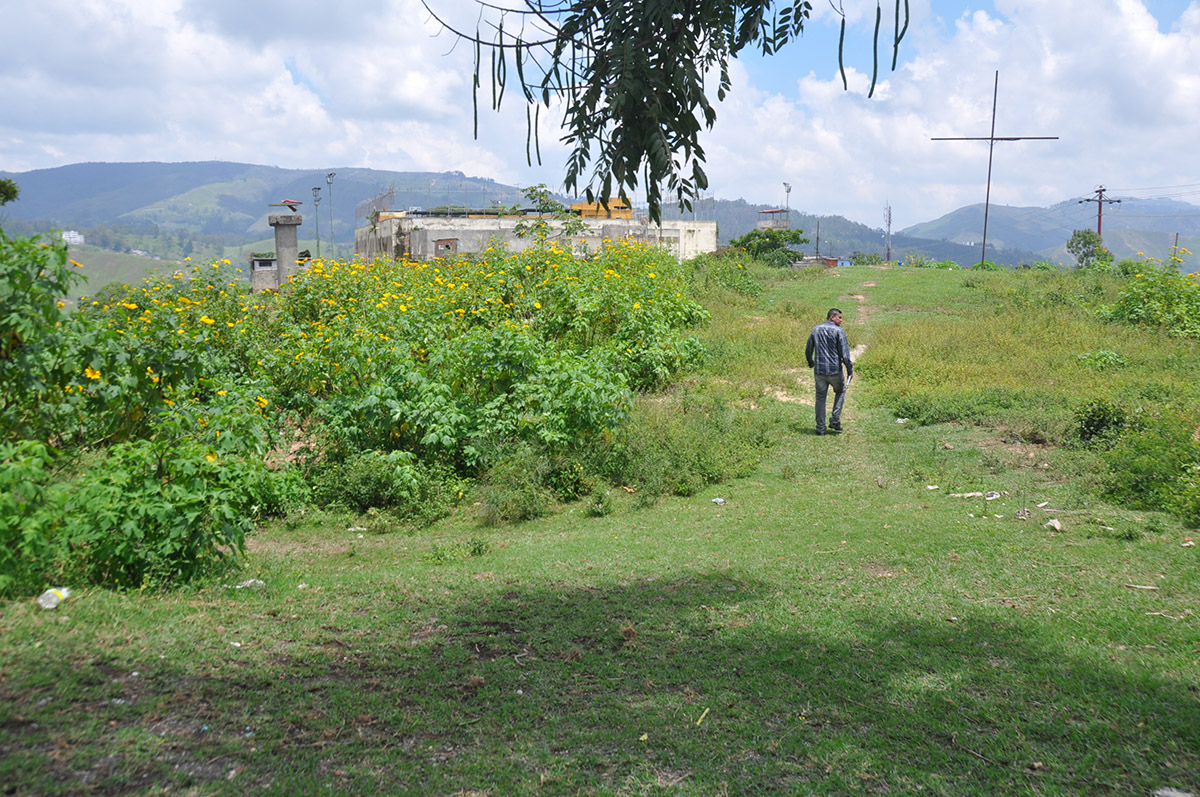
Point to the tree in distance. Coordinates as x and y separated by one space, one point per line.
1087 247
9 191
771 246
631 77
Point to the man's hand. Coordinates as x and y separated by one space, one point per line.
849 378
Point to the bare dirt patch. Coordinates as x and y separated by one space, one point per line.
787 398
799 387
1020 454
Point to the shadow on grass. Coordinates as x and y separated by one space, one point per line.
691 683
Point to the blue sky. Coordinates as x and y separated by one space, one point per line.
309 84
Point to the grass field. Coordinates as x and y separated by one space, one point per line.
847 621
102 266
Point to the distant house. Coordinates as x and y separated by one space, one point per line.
825 262
422 235
72 237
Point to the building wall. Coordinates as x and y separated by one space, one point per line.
418 237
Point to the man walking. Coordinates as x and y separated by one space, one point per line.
827 350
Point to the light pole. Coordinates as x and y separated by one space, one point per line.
787 201
317 216
329 180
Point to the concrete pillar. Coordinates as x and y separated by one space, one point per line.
287 246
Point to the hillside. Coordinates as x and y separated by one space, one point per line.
214 208
228 199
1131 227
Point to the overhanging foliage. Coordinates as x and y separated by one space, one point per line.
632 76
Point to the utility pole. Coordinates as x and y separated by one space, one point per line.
888 216
1100 203
317 216
818 252
992 139
329 181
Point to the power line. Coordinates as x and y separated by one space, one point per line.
1159 187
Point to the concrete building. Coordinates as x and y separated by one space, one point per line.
421 236
72 237
774 219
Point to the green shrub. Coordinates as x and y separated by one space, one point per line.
369 479
599 503
514 489
34 276
681 444
566 477
454 552
1127 267
866 259
1185 496
918 260
733 276
1100 420
1102 360
157 515
394 481
1160 298
1147 464
31 545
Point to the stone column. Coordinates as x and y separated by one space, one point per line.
287 247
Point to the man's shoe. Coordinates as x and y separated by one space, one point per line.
837 427
820 433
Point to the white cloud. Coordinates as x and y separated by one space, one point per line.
312 85
1097 73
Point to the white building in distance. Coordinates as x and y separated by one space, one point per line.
422 235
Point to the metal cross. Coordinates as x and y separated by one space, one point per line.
992 139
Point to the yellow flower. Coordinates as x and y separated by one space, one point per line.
222 392
211 457
206 320
262 402
91 373
77 264
538 305
129 305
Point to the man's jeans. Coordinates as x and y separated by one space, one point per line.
824 382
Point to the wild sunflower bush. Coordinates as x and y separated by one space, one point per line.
1160 297
372 380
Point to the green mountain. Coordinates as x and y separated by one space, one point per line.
1131 228
229 199
213 208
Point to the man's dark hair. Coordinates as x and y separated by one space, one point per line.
832 312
